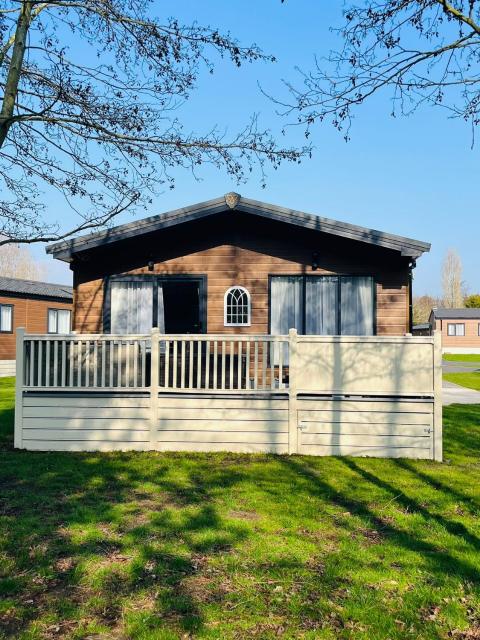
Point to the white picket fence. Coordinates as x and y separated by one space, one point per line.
321 395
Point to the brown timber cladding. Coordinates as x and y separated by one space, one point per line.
29 313
244 256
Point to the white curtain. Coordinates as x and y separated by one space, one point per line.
161 310
286 311
286 304
5 318
63 321
52 321
321 305
357 306
131 307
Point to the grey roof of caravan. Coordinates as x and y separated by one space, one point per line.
453 314
34 288
232 202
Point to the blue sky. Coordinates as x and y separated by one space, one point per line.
413 176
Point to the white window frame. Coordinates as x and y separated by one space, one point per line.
10 330
55 310
249 307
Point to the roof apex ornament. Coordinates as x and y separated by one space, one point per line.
232 199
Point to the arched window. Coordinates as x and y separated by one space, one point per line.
237 307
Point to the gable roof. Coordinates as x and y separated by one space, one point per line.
454 314
34 288
233 202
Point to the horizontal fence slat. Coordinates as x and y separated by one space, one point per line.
362 440
363 451
211 425
134 413
87 435
344 429
247 437
74 424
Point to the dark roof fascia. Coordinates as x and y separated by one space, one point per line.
407 247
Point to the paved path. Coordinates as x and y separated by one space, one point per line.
455 394
460 367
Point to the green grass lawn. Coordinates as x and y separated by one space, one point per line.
462 357
165 546
469 380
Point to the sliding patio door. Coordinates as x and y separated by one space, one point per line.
322 305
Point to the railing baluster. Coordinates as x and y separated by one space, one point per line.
87 363
127 363
71 362
207 365
79 363
215 363
119 363
280 364
255 366
39 364
224 348
112 357
199 364
272 366
136 345
232 355
95 363
32 362
103 363
239 365
55 363
264 363
47 364
190 365
167 364
182 364
143 349
175 366
64 363
247 365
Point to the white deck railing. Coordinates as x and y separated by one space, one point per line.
173 362
223 362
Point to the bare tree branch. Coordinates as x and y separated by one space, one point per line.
424 51
89 91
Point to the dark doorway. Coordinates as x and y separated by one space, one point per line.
183 305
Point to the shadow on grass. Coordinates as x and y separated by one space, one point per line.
130 522
437 558
89 537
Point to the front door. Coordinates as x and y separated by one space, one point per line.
182 308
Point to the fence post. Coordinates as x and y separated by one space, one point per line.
154 386
292 392
437 388
19 382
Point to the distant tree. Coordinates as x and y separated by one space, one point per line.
89 92
18 262
452 280
473 301
422 52
422 306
